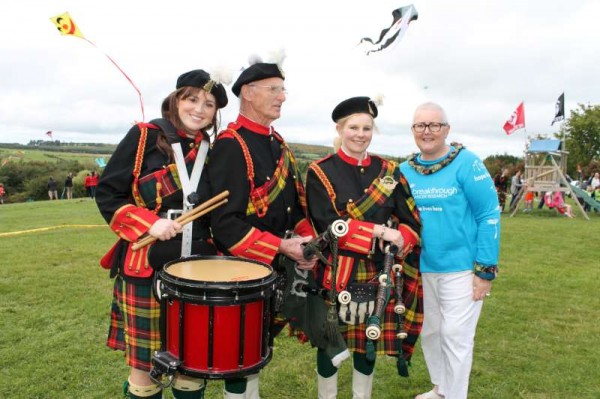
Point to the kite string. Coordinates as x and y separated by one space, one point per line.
124 74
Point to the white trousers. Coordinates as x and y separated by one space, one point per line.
448 335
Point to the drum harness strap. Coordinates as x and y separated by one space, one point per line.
188 182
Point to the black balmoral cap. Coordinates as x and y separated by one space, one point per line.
201 79
354 105
258 71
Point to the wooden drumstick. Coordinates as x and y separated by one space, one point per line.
202 206
188 217
150 239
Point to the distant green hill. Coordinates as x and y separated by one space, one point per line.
57 151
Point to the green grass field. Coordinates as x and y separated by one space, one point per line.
538 337
29 155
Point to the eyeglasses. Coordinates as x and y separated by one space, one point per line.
273 90
434 127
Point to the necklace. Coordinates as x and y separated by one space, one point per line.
429 169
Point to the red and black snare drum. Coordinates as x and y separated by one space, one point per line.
216 314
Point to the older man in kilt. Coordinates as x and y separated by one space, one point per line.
254 163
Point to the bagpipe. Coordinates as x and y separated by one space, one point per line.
373 330
293 285
316 314
374 322
316 246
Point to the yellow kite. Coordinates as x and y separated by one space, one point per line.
66 25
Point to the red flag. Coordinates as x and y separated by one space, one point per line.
516 120
49 133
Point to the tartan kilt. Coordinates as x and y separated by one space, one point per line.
355 335
134 323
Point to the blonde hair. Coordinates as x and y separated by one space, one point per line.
337 143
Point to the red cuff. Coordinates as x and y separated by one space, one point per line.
359 237
411 238
131 222
257 245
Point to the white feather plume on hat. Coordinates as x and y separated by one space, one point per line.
254 59
221 75
277 56
378 99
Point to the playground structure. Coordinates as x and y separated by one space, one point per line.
545 170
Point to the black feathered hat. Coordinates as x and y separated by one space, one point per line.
201 79
354 105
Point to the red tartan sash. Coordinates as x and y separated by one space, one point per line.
261 197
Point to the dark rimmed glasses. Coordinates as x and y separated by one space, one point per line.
434 127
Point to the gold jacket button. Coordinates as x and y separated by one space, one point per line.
289 209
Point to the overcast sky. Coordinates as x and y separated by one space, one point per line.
479 59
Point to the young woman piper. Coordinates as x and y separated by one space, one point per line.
366 191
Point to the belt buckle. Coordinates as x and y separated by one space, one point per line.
173 214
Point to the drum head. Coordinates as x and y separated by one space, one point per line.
217 278
217 270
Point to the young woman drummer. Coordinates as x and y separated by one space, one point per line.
141 183
367 191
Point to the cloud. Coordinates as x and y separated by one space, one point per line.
477 59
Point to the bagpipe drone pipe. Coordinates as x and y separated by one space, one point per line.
390 271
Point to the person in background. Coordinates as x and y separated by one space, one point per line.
595 180
528 200
93 183
557 201
501 184
459 209
515 185
2 193
542 197
590 192
86 185
253 162
367 191
69 185
133 202
52 189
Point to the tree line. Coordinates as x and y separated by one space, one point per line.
25 181
28 181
